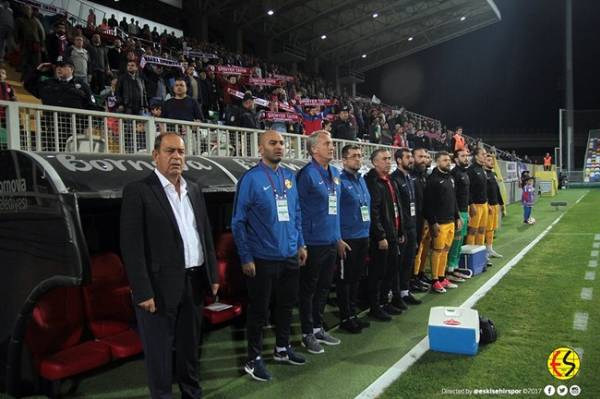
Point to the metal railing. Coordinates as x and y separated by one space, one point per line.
42 128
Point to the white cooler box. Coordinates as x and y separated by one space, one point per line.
454 330
473 257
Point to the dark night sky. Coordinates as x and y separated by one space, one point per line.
508 75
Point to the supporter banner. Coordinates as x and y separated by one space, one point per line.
150 59
232 70
281 116
286 107
200 54
285 78
315 101
264 82
258 101
432 135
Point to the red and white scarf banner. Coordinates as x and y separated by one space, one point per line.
315 102
285 78
258 101
264 82
281 116
150 59
232 70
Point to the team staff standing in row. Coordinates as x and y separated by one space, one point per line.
319 189
386 234
495 205
443 217
461 188
407 191
478 206
355 219
420 282
267 229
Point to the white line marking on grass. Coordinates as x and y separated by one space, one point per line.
587 293
596 245
594 254
590 276
580 321
394 372
593 263
597 237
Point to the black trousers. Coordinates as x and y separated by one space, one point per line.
380 265
350 271
178 328
408 250
282 278
316 278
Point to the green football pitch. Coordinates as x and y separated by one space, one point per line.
533 306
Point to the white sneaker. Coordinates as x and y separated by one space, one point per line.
463 273
454 278
494 254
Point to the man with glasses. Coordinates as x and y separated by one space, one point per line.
355 222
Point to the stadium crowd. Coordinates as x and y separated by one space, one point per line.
122 67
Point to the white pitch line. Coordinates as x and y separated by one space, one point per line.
597 237
593 263
590 276
394 372
587 294
594 254
596 245
580 321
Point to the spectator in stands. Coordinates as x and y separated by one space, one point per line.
231 83
91 20
112 21
80 58
124 25
458 141
155 35
7 24
108 97
327 125
7 93
104 26
132 28
375 130
400 139
248 117
63 90
29 36
193 88
313 119
115 56
131 91
99 64
182 107
156 109
208 93
342 128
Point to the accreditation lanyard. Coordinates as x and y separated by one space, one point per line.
411 195
330 184
362 197
281 202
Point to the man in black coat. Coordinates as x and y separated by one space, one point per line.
342 127
169 255
386 234
131 91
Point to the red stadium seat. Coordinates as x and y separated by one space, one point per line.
54 336
108 306
231 280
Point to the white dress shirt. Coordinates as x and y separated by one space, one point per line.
186 220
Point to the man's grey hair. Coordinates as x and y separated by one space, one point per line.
313 138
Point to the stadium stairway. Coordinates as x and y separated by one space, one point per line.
14 79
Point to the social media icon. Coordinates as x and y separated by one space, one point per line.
575 390
562 390
549 390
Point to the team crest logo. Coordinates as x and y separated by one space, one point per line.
288 183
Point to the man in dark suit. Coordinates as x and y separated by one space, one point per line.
168 252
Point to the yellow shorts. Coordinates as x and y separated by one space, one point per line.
481 215
445 237
492 219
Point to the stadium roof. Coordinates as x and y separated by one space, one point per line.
361 35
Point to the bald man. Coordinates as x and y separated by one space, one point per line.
267 229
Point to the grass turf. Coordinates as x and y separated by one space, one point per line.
533 308
534 314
